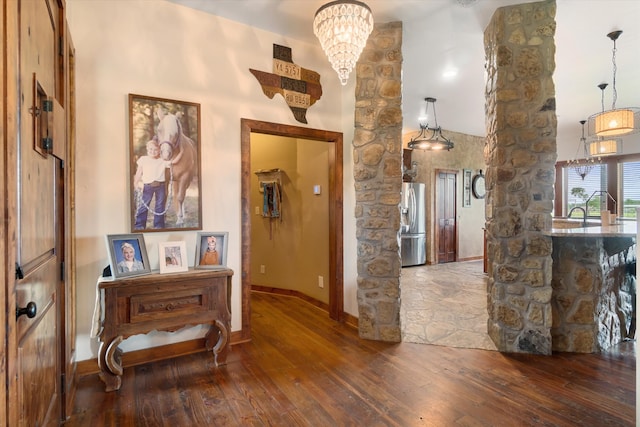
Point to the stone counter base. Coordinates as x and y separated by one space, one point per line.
594 289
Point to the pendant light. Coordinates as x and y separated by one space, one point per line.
582 167
599 146
343 27
430 138
605 147
616 121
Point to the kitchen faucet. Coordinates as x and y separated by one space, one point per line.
584 214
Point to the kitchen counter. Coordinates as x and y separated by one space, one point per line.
593 282
620 229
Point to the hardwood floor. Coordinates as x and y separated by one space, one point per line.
303 369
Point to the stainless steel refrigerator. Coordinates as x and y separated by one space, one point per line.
413 238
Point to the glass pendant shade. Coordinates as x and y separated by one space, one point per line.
614 122
605 147
343 28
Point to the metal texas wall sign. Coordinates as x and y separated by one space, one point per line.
299 86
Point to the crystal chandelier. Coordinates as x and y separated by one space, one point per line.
616 121
343 27
582 167
430 138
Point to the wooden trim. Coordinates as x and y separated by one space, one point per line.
351 320
471 258
291 293
4 236
154 354
336 269
11 132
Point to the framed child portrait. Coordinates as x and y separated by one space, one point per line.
211 250
164 153
173 257
127 255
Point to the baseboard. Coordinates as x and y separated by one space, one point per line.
472 258
351 320
291 293
154 354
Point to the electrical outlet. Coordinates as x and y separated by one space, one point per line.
257 210
320 282
262 269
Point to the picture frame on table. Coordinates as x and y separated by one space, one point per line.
164 164
211 250
172 257
127 255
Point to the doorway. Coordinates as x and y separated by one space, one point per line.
446 227
335 214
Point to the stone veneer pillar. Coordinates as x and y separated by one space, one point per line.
377 154
520 152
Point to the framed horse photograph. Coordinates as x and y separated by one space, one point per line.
164 154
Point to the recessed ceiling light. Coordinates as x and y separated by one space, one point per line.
450 73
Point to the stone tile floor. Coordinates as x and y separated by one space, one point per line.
445 304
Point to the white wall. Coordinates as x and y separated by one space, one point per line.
159 49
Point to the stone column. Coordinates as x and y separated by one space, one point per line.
520 152
377 155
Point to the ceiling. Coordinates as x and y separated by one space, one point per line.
443 54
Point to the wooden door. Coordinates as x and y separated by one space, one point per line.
446 215
35 222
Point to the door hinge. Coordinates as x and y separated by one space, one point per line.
61 46
47 144
63 384
62 270
19 272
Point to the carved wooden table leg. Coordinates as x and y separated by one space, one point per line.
217 339
110 363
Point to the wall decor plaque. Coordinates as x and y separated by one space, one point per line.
299 86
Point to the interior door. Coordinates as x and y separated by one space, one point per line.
446 215
34 349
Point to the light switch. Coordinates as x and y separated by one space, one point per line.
316 189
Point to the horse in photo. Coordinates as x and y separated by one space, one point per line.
178 148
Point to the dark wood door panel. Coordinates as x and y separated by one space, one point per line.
38 392
39 197
446 216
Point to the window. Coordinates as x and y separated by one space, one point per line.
612 184
579 190
629 189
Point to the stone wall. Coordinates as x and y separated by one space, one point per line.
377 153
593 292
520 152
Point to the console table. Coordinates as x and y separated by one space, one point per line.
163 302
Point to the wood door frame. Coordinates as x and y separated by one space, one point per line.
435 205
336 263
